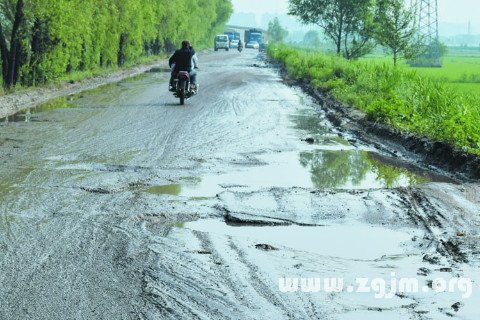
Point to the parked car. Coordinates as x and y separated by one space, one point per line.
222 42
234 44
252 45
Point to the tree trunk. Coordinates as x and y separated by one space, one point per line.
15 47
5 54
339 46
121 49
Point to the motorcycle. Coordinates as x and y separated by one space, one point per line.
183 88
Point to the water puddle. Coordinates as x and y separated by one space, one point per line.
309 122
170 189
29 115
318 169
95 97
342 241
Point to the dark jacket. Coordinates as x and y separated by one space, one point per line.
182 59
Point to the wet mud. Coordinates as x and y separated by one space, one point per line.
119 203
428 152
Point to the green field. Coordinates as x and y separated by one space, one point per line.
460 71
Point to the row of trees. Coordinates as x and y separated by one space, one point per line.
356 26
41 40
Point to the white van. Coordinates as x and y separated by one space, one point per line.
222 42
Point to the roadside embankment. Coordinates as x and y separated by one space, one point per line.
422 115
29 98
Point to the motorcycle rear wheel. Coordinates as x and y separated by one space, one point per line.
182 96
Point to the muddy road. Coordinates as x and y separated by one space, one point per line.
120 204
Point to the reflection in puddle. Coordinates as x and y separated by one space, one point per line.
309 122
356 169
171 189
26 115
342 241
337 169
102 95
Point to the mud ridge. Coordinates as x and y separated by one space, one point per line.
439 154
422 212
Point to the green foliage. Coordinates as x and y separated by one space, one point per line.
58 37
395 29
311 39
348 23
276 32
396 96
431 55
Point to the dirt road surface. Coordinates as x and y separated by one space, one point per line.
120 204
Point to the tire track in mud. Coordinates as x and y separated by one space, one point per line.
180 287
233 269
220 269
422 212
265 290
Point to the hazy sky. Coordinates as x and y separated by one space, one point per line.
449 10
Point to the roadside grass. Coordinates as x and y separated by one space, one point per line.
82 75
405 98
77 76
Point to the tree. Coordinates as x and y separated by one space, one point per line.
42 40
395 29
276 32
11 52
348 23
312 39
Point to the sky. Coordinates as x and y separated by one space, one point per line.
448 10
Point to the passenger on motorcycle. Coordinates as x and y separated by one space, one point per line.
184 59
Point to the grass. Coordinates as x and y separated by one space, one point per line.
81 75
408 99
460 71
77 76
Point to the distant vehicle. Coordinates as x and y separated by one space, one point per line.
232 35
221 42
253 35
252 45
234 44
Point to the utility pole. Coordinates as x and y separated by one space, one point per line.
427 26
428 20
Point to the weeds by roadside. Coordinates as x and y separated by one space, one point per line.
396 96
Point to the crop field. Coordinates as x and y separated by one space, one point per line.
460 70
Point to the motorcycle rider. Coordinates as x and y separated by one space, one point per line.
240 45
184 59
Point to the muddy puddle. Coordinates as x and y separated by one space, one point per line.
328 168
30 115
98 97
323 240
